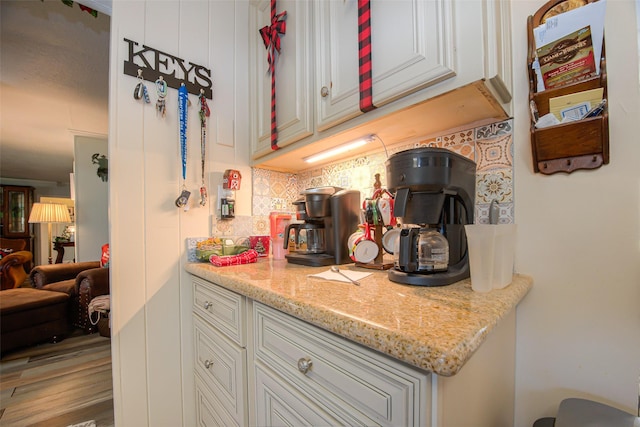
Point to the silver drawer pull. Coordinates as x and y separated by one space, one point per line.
304 364
207 304
208 364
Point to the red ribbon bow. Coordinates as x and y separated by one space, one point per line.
271 35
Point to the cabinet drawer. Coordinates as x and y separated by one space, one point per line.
224 309
221 366
342 374
277 405
209 413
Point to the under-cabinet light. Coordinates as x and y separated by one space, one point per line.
343 148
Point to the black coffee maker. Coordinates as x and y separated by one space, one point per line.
332 214
434 199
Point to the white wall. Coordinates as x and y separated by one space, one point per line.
578 332
91 199
151 294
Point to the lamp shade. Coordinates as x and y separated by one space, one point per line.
48 213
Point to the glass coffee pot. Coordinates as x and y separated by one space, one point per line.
421 249
433 251
308 238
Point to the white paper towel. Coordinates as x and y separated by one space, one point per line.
330 275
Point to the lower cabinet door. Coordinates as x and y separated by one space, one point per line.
209 412
221 365
278 403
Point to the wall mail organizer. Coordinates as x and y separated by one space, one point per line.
153 63
568 86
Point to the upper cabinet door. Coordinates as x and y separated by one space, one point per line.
293 72
411 48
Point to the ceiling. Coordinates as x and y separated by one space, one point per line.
54 83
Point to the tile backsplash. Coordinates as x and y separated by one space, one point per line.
490 146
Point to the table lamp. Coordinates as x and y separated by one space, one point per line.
48 213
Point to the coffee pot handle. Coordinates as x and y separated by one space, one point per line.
408 248
287 231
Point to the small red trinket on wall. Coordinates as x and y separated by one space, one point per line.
231 179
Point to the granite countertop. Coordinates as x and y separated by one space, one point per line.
436 329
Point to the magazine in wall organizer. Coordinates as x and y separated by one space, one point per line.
567 60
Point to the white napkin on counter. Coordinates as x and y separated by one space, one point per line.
330 275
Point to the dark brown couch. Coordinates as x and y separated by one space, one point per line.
81 281
12 273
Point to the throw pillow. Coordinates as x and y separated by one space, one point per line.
104 259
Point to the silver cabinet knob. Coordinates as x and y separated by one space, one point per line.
304 364
206 305
208 364
324 91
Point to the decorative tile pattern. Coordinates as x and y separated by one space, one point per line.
494 153
261 205
458 138
279 204
494 185
223 227
260 182
505 213
260 226
495 129
240 226
278 187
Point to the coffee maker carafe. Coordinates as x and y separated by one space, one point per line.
332 214
308 238
434 199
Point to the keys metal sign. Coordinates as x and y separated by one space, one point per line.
154 63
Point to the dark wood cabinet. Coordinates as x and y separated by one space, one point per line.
16 207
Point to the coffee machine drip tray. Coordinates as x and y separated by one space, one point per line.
311 260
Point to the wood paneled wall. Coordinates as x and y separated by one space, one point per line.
151 296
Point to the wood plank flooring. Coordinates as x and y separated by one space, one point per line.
57 385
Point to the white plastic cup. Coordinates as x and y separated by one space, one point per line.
505 247
481 244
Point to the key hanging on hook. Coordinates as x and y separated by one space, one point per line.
161 90
204 113
140 91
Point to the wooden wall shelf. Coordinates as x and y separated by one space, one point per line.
567 147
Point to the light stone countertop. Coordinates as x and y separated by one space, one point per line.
433 328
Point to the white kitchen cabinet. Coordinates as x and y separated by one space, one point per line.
255 365
293 70
421 49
